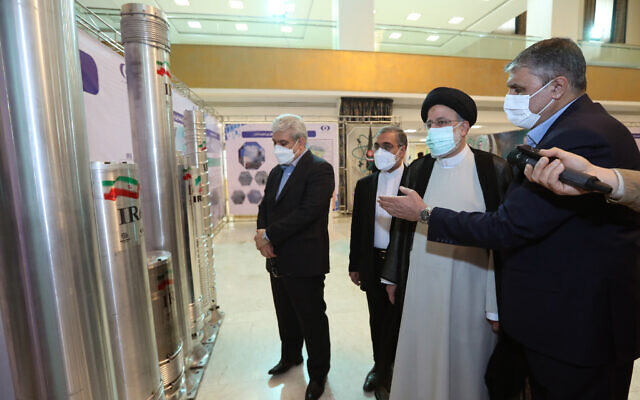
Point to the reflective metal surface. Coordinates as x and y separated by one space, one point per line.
169 343
50 293
144 32
196 158
116 193
191 199
176 390
188 196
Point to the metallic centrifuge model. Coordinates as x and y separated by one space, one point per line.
54 324
116 194
169 344
146 49
190 199
196 150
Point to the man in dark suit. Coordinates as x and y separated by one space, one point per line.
369 239
571 276
292 234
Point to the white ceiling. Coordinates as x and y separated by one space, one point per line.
312 23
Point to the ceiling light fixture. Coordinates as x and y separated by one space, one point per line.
477 127
395 35
236 4
194 24
181 2
242 27
409 130
413 16
456 20
286 29
433 38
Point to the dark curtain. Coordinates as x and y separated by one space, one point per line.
521 24
619 22
589 16
363 106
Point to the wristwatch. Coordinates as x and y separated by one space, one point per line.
425 215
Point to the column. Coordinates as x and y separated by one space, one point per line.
356 24
548 18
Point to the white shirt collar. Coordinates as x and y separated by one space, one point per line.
394 173
453 161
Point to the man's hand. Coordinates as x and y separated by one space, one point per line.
355 278
495 325
548 174
391 292
406 207
259 239
267 250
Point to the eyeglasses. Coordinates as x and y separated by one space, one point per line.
387 146
439 123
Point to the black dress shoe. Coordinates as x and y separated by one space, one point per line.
314 389
373 380
283 366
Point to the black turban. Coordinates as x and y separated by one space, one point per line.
455 99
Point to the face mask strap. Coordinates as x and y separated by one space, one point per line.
538 91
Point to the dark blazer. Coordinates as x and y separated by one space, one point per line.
363 229
296 223
494 175
571 274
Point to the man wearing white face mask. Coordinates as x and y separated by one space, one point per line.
570 280
369 239
447 293
292 235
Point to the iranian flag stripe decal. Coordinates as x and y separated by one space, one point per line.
124 186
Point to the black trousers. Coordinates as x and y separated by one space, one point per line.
382 321
556 380
300 309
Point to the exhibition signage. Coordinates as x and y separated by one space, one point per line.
250 158
106 101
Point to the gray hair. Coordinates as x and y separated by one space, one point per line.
284 122
554 57
400 135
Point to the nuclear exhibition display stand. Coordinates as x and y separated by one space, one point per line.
108 284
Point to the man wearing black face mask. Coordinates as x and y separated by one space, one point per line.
570 282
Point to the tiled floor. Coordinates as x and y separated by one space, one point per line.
248 343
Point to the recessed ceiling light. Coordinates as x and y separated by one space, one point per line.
182 2
237 4
242 27
413 16
477 127
286 29
433 38
194 24
395 35
409 130
456 20
374 11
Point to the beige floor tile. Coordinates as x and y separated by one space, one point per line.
248 343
